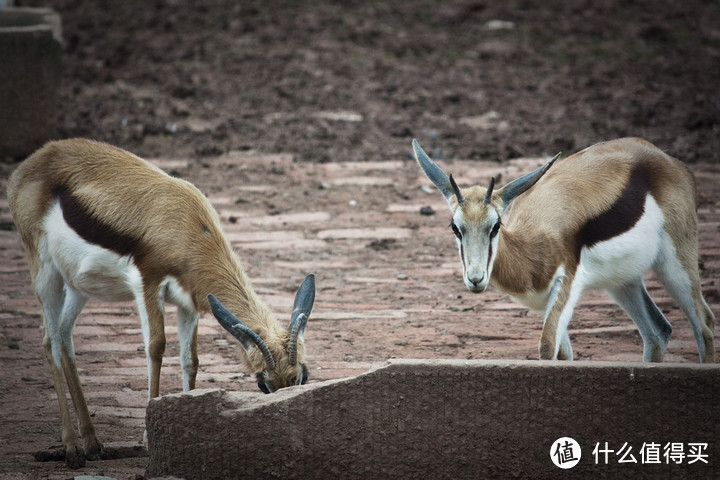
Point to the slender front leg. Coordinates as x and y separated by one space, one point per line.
565 293
153 329
187 333
565 351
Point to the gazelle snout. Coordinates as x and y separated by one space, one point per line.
475 253
475 280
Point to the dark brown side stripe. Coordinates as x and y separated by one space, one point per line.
622 216
90 228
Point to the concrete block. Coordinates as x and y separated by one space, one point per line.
444 419
30 56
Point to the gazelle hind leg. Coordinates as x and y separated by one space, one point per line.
651 323
690 300
49 287
708 330
681 279
73 304
698 313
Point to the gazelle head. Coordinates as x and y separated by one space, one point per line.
285 366
476 216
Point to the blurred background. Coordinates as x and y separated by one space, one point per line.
356 80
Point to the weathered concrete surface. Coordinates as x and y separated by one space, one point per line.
30 52
444 419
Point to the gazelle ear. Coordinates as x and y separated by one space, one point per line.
521 185
445 184
302 307
304 299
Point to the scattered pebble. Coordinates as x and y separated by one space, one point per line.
427 210
500 25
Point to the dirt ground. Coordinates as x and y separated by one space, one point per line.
296 119
353 81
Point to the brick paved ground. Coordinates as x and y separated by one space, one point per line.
388 280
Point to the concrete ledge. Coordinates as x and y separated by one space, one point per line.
30 52
443 419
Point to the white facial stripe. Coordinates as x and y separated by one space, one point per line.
477 249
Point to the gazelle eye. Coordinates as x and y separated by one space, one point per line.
495 229
456 231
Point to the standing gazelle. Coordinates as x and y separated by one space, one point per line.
600 218
99 222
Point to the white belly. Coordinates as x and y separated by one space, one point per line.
628 256
87 268
613 262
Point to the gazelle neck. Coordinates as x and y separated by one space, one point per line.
523 264
224 277
239 297
232 287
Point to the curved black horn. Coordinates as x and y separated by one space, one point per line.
458 194
488 195
239 330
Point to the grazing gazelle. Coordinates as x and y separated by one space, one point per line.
600 218
99 222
